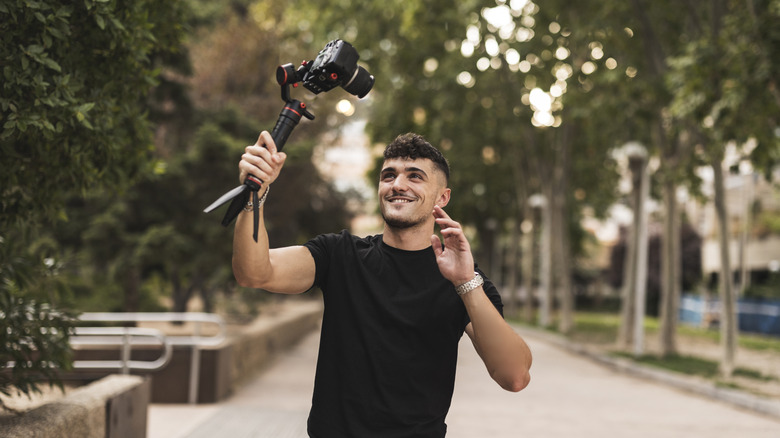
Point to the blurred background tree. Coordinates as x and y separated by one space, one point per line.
75 77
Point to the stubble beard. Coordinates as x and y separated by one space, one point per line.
402 223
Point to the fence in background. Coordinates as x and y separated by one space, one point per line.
754 316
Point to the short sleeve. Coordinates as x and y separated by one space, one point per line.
321 248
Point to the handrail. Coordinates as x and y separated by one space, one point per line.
195 317
196 341
125 337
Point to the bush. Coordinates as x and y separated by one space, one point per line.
33 335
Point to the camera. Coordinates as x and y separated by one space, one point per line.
336 65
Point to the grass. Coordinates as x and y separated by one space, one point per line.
602 328
694 366
682 364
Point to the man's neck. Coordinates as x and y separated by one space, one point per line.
408 239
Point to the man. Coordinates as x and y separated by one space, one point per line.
396 304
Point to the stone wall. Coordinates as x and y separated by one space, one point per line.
114 406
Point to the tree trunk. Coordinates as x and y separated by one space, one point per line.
625 332
744 272
561 232
728 314
520 174
529 263
132 287
512 267
545 262
670 272
181 295
640 287
207 296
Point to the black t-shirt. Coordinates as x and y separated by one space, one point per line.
389 344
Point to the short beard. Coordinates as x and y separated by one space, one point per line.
402 224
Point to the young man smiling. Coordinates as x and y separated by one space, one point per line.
396 304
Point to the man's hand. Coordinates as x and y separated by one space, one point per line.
262 160
454 257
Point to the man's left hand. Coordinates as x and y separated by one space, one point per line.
454 257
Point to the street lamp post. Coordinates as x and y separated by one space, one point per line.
545 297
637 162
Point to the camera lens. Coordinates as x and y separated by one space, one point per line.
361 83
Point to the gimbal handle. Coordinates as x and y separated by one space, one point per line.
288 119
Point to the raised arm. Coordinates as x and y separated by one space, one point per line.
505 354
288 270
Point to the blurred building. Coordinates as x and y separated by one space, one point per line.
753 208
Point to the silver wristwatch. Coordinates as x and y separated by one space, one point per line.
470 285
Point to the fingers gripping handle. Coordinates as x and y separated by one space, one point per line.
287 121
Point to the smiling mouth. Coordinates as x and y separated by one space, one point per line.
400 200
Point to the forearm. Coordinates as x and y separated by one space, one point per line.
505 354
251 260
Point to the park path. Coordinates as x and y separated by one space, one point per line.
569 396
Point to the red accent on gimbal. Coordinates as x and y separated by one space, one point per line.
296 112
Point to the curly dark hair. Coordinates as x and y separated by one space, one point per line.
413 146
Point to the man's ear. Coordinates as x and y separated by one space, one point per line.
444 198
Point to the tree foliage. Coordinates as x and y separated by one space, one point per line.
72 100
34 338
153 240
75 77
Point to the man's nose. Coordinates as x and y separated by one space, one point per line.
400 184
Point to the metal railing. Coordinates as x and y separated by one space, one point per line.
127 338
195 341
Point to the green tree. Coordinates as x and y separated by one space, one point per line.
203 118
234 95
453 73
72 97
33 334
653 37
75 76
725 86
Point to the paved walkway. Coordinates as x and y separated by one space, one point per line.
569 396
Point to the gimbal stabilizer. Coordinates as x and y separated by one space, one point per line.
335 65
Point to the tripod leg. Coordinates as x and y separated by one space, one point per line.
255 214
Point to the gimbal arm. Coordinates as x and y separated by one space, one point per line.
287 121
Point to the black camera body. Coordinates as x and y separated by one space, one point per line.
336 65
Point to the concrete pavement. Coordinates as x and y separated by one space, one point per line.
569 396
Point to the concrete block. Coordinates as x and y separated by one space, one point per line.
82 413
